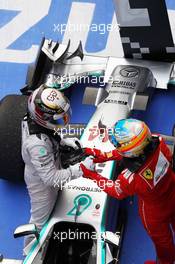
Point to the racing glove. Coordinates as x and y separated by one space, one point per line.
94 152
89 163
89 174
71 142
76 170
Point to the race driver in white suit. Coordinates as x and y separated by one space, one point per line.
47 108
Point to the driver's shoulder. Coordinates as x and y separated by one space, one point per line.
38 140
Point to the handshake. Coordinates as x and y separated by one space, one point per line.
74 157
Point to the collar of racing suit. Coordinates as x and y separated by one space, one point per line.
134 164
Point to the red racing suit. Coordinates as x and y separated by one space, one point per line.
154 184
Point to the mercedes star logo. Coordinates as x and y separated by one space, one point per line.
130 72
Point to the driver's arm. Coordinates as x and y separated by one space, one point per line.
42 159
101 156
120 188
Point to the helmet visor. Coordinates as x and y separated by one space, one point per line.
113 141
58 119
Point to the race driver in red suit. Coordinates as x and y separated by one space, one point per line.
149 175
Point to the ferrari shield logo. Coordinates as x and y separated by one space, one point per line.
147 174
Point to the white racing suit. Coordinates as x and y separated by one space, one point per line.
43 174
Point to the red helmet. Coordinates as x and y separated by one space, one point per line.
130 137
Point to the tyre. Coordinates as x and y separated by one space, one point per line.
12 111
